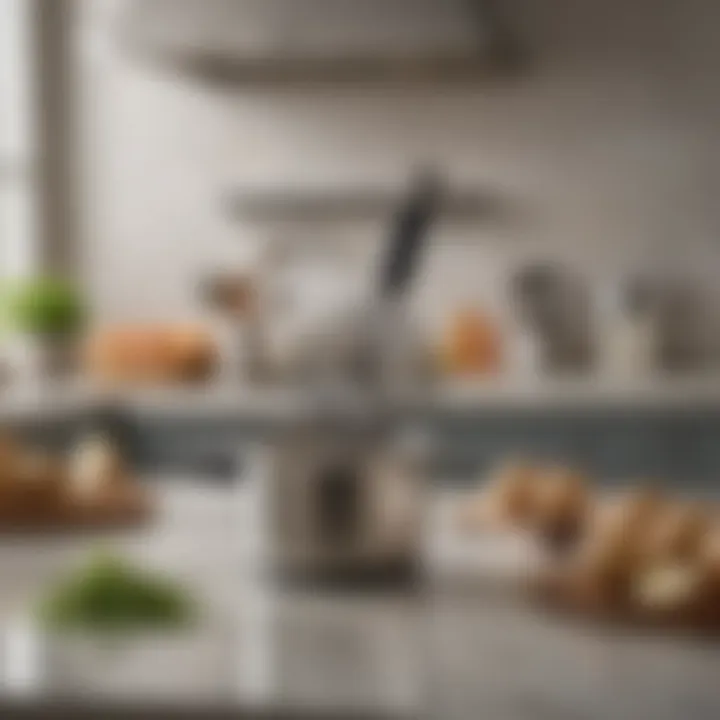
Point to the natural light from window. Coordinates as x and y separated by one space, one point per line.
16 138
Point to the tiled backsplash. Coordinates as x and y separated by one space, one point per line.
675 449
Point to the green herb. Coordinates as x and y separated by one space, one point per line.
112 595
44 306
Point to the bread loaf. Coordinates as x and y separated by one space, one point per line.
560 507
151 354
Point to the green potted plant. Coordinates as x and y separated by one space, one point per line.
114 624
48 312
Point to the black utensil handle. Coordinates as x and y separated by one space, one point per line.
409 233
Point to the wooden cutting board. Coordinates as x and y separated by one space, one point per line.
555 592
517 565
122 505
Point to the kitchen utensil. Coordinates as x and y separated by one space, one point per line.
345 494
553 304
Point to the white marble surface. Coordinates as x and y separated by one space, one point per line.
448 652
255 645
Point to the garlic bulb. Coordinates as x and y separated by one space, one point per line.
667 587
94 465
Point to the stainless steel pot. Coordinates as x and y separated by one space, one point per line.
344 502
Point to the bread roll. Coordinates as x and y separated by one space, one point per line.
709 555
505 502
151 354
627 517
95 466
512 494
606 558
671 590
710 560
596 589
676 534
710 547
560 505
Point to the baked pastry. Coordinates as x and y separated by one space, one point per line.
511 495
560 506
627 517
676 534
672 592
154 354
599 572
95 466
710 547
605 560
709 554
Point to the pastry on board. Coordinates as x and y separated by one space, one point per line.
506 502
551 502
710 547
561 504
625 518
672 592
37 482
95 466
617 524
676 534
42 490
603 562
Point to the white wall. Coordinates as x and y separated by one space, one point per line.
608 149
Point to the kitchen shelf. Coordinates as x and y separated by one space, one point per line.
587 394
356 203
218 69
504 396
291 42
278 404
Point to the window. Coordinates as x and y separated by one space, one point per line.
17 138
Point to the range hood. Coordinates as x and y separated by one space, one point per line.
306 40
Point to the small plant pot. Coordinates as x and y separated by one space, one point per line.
184 664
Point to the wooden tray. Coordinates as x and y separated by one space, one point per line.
554 592
124 505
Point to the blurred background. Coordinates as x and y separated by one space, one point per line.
189 194
141 156
500 216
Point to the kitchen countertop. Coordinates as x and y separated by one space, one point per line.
65 399
276 403
257 649
447 652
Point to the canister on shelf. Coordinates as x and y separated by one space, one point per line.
627 329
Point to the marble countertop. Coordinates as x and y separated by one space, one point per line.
448 651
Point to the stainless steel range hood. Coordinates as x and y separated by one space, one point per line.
306 40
